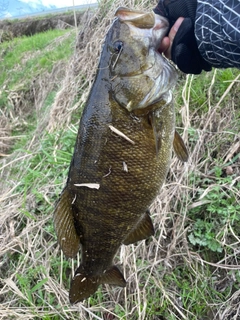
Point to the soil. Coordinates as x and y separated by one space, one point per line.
30 26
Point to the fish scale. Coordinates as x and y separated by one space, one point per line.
122 152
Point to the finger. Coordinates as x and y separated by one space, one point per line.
171 36
164 45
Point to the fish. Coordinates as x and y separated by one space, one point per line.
122 152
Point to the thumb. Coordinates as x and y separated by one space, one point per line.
172 34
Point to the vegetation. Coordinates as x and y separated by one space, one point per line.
190 269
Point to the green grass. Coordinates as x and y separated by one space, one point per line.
24 58
217 210
199 89
40 171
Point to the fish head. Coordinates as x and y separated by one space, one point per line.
139 75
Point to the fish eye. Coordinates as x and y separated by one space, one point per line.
117 46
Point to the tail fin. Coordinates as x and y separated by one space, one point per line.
83 285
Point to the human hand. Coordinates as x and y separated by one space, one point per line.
181 45
166 45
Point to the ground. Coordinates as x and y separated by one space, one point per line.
190 269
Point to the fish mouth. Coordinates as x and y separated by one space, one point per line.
144 24
160 29
162 73
158 75
141 19
164 77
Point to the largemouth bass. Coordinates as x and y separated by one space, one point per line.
122 151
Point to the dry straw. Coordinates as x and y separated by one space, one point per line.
146 265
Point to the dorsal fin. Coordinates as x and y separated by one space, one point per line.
143 230
67 236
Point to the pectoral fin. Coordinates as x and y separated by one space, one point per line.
143 230
68 238
180 148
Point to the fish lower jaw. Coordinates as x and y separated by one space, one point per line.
149 101
165 99
161 90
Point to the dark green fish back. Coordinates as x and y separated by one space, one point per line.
116 171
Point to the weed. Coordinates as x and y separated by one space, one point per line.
217 211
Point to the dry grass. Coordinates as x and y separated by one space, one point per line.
168 278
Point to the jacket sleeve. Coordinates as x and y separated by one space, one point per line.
217 30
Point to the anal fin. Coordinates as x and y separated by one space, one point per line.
114 277
68 238
143 230
180 148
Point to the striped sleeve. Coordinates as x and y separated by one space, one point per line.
217 30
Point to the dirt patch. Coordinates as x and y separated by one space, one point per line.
31 26
5 139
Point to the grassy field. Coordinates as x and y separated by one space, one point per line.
190 269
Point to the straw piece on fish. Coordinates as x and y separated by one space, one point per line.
109 172
74 199
125 168
88 185
121 134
